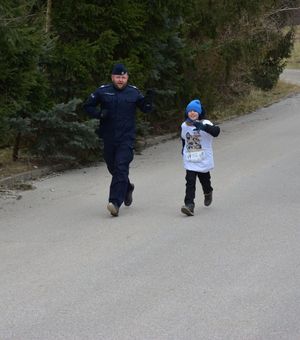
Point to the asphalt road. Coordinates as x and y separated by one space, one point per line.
291 76
71 271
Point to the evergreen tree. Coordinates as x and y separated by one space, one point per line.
52 52
57 134
92 36
23 84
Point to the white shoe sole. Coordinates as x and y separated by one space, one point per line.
112 209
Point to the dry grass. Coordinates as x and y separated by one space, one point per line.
8 167
255 100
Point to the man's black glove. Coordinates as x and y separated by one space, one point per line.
148 101
199 126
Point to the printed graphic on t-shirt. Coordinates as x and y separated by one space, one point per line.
194 152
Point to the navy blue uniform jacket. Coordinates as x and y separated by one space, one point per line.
118 108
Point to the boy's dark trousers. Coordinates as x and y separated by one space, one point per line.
191 176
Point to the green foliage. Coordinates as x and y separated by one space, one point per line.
235 44
59 134
92 37
266 75
84 51
215 50
23 83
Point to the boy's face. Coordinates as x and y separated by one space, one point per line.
193 115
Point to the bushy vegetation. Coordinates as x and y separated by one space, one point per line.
54 51
294 60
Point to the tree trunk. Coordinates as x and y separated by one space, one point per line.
15 155
48 16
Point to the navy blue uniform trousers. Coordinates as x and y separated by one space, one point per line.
118 157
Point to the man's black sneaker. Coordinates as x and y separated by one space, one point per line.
128 198
208 199
188 209
113 209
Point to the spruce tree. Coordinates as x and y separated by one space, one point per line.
23 84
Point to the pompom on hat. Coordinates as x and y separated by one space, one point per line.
119 69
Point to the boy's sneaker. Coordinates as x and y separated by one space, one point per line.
208 199
113 209
128 198
188 209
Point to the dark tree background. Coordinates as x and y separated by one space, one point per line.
57 52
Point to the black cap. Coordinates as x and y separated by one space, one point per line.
119 69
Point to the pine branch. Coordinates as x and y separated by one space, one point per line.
8 21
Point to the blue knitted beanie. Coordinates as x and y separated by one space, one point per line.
194 105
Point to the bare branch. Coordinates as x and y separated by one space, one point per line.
286 9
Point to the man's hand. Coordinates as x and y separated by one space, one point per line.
103 113
148 101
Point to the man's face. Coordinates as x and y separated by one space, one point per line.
120 81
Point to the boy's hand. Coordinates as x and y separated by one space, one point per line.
199 126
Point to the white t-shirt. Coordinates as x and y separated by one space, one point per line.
197 152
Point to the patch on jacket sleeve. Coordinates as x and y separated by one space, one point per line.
133 87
